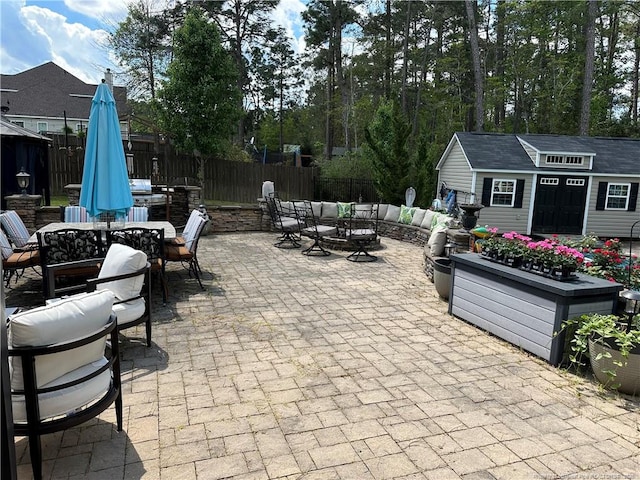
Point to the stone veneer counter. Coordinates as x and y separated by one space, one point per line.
521 307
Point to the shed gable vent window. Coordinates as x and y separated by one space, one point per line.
572 160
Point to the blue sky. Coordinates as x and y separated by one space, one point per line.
72 33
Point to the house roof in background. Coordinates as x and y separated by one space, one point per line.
48 91
495 151
8 129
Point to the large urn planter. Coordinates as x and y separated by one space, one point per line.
442 276
612 369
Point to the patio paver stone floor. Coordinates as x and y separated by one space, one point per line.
291 367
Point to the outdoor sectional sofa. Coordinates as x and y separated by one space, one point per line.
418 226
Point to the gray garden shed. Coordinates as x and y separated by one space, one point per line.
546 184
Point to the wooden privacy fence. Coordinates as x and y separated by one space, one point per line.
227 181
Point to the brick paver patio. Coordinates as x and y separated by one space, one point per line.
290 367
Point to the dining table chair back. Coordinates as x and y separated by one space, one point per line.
70 254
74 214
187 253
15 229
15 261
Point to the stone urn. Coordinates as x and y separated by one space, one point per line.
469 218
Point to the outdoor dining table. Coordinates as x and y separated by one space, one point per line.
169 229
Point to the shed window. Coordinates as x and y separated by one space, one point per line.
42 127
618 196
575 182
503 192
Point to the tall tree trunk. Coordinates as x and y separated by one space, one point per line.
405 59
636 80
587 84
388 51
477 69
499 108
341 81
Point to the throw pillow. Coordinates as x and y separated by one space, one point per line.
344 210
393 213
406 214
382 210
418 216
437 240
428 219
316 207
329 210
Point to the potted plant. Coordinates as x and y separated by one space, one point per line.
612 346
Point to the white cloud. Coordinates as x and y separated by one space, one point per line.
288 15
73 46
99 9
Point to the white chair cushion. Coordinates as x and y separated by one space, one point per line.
5 246
70 318
418 216
128 312
364 210
192 222
382 211
437 240
66 400
427 221
329 210
393 213
122 259
316 207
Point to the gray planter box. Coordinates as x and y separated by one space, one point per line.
523 308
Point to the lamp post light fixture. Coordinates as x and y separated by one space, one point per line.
632 306
630 266
23 178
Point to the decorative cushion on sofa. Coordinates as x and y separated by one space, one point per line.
344 209
71 317
121 259
418 216
382 210
316 207
428 219
364 210
329 210
406 214
437 240
393 214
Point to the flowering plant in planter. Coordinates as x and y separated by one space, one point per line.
542 252
567 257
606 260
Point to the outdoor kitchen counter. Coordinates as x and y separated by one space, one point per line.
521 307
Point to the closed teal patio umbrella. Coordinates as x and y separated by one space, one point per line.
105 190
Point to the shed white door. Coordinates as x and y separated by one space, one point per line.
560 204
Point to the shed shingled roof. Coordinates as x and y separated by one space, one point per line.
48 91
494 151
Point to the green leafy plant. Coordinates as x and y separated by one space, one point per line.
606 330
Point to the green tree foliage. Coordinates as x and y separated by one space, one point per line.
387 137
142 45
199 99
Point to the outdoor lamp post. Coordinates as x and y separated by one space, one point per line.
630 266
632 306
23 178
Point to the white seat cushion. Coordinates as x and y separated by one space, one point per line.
68 399
120 260
70 318
418 216
393 213
329 210
128 312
